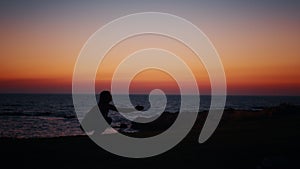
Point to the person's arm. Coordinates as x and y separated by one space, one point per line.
112 107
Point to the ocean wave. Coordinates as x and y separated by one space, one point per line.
47 114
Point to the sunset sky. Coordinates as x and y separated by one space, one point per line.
258 42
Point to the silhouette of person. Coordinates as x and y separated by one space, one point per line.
104 105
91 119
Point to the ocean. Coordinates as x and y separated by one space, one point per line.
53 115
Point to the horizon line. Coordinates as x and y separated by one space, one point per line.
63 93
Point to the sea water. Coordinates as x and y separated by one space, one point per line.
53 115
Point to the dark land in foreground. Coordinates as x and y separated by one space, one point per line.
268 138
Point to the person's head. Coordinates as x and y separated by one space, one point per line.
105 97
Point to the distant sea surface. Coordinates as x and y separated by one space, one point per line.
53 115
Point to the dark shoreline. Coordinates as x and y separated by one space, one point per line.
268 140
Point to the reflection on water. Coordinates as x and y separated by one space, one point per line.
42 115
38 126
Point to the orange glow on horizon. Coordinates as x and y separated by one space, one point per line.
261 56
127 47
